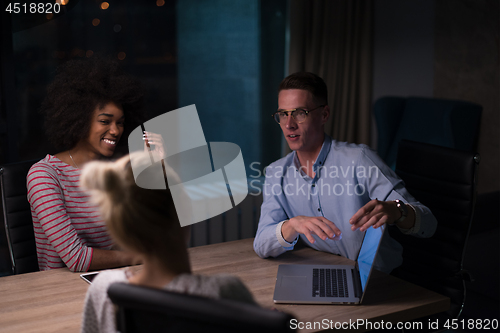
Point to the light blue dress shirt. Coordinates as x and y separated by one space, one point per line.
347 176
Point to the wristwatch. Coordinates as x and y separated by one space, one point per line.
403 210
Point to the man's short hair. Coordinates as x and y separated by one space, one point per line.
306 81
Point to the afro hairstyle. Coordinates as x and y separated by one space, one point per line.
79 87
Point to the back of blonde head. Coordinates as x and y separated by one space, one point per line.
140 220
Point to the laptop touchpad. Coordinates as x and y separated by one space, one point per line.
293 281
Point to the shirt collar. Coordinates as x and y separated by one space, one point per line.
323 154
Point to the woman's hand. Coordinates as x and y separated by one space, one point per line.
154 143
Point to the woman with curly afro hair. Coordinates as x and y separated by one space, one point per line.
90 108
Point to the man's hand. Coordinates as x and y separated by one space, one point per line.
377 213
308 226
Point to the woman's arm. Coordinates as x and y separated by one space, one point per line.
102 259
58 241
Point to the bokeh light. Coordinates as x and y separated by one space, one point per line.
104 5
160 3
95 22
89 53
77 52
121 55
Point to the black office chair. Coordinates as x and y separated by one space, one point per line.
443 122
444 180
17 217
142 309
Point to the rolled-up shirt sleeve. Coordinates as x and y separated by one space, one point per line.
267 242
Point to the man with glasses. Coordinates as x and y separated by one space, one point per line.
328 192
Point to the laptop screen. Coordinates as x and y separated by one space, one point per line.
367 253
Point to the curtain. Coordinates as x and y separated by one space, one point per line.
333 39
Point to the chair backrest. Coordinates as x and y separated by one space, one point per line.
442 122
142 309
17 217
444 180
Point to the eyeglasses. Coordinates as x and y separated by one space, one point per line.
299 115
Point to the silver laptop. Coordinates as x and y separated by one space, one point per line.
329 284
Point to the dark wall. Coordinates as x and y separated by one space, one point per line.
219 68
231 60
403 53
443 49
466 66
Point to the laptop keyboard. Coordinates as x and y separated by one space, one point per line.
329 283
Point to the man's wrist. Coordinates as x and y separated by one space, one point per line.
413 215
281 239
403 209
281 229
289 232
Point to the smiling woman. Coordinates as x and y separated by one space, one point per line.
90 106
106 129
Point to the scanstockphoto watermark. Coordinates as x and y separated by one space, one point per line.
333 180
364 324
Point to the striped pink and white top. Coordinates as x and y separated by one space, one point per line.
67 227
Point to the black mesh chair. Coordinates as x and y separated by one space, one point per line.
17 217
444 180
142 309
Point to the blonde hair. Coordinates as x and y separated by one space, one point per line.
141 220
